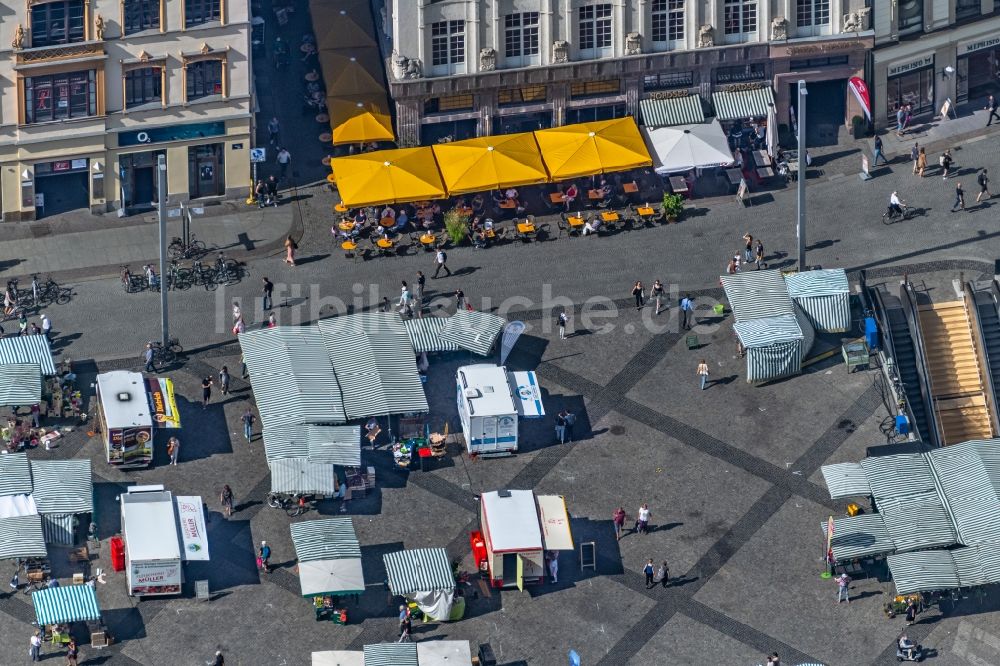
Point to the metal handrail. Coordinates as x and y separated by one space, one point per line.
909 300
983 353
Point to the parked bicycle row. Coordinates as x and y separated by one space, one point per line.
223 271
42 292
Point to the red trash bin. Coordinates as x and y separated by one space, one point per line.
117 553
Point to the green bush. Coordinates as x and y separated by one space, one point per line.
456 225
673 205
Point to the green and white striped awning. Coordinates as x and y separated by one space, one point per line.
824 296
846 480
376 368
391 654
325 539
332 445
63 486
742 104
301 477
22 536
757 294
473 330
65 604
684 110
425 334
966 475
859 536
15 474
20 384
928 570
292 378
422 570
32 349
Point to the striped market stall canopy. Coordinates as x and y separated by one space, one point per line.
32 349
846 480
391 654
22 536
15 474
421 570
774 347
757 294
63 486
945 569
899 475
332 445
768 331
444 653
824 296
65 604
917 521
292 377
20 384
684 110
473 330
742 104
329 556
298 476
425 334
375 365
968 474
859 536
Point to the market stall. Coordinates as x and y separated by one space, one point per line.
391 654
444 653
516 529
338 658
59 607
490 403
425 577
63 491
128 407
824 296
329 564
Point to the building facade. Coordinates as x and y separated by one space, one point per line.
473 67
95 90
929 52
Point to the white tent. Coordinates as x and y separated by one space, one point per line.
338 658
686 147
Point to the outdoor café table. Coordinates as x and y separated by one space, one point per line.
595 195
646 213
610 216
464 210
793 169
387 223
384 243
761 158
346 226
557 197
508 204
340 208
428 239
349 246
525 229
678 184
630 188
575 221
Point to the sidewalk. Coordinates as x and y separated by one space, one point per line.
937 133
92 245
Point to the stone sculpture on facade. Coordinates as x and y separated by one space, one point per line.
633 43
706 36
560 51
487 60
405 68
18 42
856 21
99 27
779 28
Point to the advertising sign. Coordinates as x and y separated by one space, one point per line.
860 90
156 577
163 403
191 522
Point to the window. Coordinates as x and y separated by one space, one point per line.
809 13
204 78
521 95
740 16
668 81
57 23
447 43
813 63
141 15
595 27
521 34
449 103
197 12
60 96
911 16
740 73
967 9
143 86
668 20
582 89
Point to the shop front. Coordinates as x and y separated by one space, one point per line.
61 186
206 170
910 84
978 69
139 184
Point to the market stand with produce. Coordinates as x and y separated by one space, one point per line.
329 564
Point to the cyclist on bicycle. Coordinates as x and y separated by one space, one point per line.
896 204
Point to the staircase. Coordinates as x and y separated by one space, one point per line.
905 359
959 396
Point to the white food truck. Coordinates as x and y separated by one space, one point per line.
160 533
490 402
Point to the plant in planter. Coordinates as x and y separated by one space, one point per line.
673 206
456 226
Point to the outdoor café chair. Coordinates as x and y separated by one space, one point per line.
566 227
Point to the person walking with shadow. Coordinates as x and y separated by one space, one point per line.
959 198
703 373
441 262
984 185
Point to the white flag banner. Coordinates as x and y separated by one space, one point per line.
511 333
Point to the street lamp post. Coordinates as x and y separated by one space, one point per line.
801 227
161 171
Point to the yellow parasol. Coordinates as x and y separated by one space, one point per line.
388 176
490 163
585 149
359 119
348 72
342 24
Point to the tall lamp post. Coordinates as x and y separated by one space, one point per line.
161 172
801 227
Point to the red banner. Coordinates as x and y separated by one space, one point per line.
860 90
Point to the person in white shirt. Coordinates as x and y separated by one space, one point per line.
895 203
642 519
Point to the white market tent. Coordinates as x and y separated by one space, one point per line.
329 556
444 653
338 658
687 147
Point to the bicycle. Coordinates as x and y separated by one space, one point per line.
49 292
130 282
14 312
166 354
226 270
178 250
294 505
177 277
202 276
890 216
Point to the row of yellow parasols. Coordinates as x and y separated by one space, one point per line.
357 101
490 163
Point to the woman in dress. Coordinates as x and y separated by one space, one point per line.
290 248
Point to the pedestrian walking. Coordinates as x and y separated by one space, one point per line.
224 380
34 329
418 294
206 391
687 312
915 155
663 574
385 305
267 291
650 571
561 322
945 161
878 152
272 320
921 162
618 518
72 653
737 263
747 247
637 294
226 500
264 557
843 585
219 659
460 302
553 559
36 647
911 612
759 254
36 415
243 367
991 106
656 294
570 418
283 159
149 357
441 262
642 520
290 247
405 629
248 420
240 327
561 427
173 449
46 327
703 373
773 660
984 186
959 198
900 120
273 128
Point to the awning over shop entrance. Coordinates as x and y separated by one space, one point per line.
684 110
742 104
490 163
584 149
554 519
388 176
